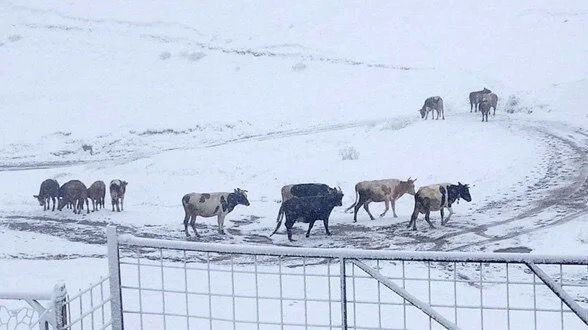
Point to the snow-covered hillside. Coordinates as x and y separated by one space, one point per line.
206 96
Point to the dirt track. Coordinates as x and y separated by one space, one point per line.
560 196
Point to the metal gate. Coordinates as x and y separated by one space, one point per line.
161 284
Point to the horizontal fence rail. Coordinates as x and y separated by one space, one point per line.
189 285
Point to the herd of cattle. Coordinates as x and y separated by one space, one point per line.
74 193
311 202
483 100
306 202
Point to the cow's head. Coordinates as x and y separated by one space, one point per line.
407 187
241 197
40 199
464 191
423 112
486 90
337 196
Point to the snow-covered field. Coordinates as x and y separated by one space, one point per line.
206 96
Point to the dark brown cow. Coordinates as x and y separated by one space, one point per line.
96 193
48 192
476 98
73 192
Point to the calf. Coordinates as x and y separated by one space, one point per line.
436 197
492 100
96 193
433 103
308 210
476 98
118 188
387 191
211 204
485 109
48 192
305 190
73 192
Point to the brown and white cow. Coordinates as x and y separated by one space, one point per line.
118 188
436 197
476 98
387 191
211 204
433 103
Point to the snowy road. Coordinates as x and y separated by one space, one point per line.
556 196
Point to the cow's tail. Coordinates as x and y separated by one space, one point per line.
279 219
354 203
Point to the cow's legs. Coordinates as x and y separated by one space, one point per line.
193 225
427 113
443 114
450 214
366 206
87 205
310 225
186 219
45 204
326 224
221 223
387 203
53 199
122 203
393 202
413 219
289 229
113 202
358 205
442 215
427 215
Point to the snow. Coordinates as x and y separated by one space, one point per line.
206 96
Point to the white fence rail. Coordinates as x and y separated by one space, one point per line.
159 284
36 309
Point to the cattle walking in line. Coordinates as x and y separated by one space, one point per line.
436 197
73 192
432 104
211 204
476 98
492 100
305 190
118 188
387 191
97 193
49 191
308 210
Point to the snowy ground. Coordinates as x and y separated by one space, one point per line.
209 97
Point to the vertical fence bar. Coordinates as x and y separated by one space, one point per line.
507 299
209 290
139 287
482 296
233 291
305 296
404 287
561 308
329 292
116 307
429 282
162 288
343 284
379 298
281 295
186 287
535 301
455 291
256 292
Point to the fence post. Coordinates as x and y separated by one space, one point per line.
343 283
59 307
114 270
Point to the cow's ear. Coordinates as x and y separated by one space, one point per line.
36 196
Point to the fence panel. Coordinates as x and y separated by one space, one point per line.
188 285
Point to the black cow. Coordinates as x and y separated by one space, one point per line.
73 192
308 210
48 192
305 190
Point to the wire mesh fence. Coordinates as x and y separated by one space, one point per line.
89 308
183 285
